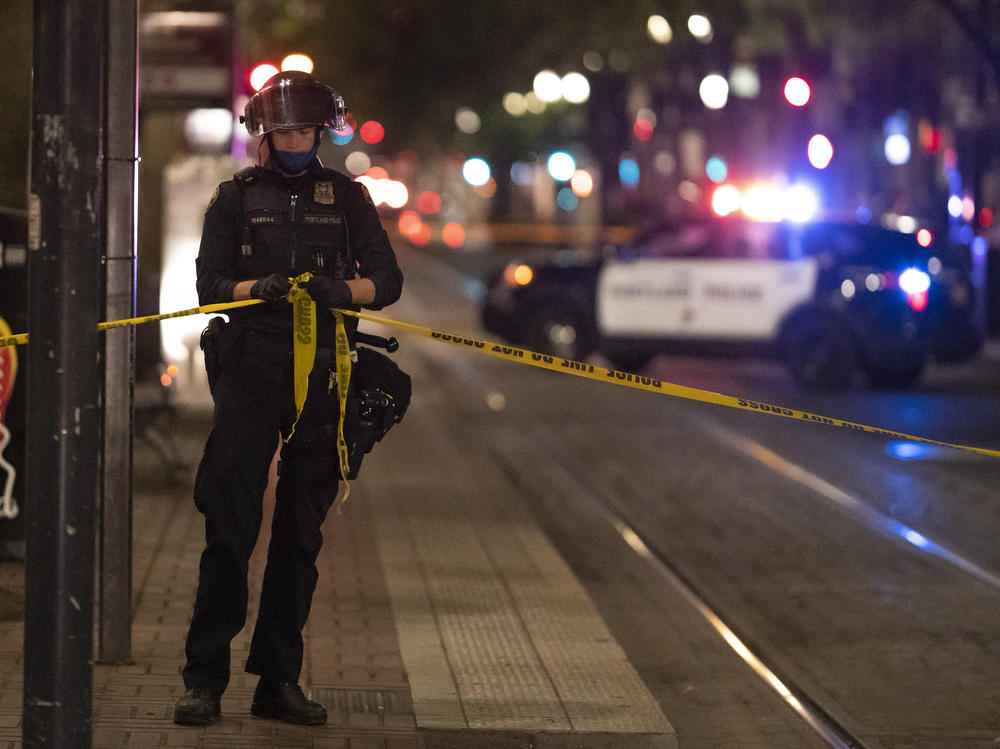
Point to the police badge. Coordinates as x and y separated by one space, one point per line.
323 193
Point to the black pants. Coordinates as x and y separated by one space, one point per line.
250 412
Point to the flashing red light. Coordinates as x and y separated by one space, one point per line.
372 132
985 218
918 301
924 238
260 75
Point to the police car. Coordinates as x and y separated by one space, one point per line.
835 300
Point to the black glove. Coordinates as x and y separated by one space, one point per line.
275 286
328 292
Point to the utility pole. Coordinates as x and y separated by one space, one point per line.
64 248
114 605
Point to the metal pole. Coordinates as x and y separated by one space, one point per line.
65 216
114 637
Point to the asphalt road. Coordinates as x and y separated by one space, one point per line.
868 584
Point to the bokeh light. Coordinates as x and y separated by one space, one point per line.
467 121
797 91
561 166
714 91
357 162
575 88
409 223
819 151
261 74
642 129
428 202
716 169
547 86
582 183
372 132
453 234
628 171
659 29
522 173
744 81
514 104
726 200
897 149
298 61
700 28
567 199
476 172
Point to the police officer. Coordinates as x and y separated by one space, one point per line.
268 224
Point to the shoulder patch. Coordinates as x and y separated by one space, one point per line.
215 196
368 195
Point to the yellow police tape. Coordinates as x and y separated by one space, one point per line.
545 361
640 382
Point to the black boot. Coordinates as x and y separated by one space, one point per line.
283 700
198 707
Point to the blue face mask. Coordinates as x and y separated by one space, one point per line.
293 162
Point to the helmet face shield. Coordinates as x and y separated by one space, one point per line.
293 100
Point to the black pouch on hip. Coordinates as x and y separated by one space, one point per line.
378 396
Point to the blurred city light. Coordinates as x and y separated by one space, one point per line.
534 103
514 104
409 223
372 132
567 199
659 29
716 170
561 166
547 86
763 203
575 88
476 172
593 61
298 61
209 128
453 234
985 217
700 28
955 206
357 162
261 74
797 91
467 121
897 149
522 173
968 208
582 183
924 238
628 171
744 81
518 275
714 91
486 190
801 203
428 202
643 129
342 137
820 151
383 190
726 200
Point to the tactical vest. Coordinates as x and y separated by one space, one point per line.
291 233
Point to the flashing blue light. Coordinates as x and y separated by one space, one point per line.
965 234
979 246
914 281
716 170
863 214
628 172
897 149
908 450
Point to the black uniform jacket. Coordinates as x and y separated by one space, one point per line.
219 256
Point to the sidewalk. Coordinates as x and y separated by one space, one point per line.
438 621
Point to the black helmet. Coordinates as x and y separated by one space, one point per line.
293 99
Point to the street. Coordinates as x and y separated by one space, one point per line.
867 583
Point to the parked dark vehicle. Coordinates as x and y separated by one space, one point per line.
834 300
